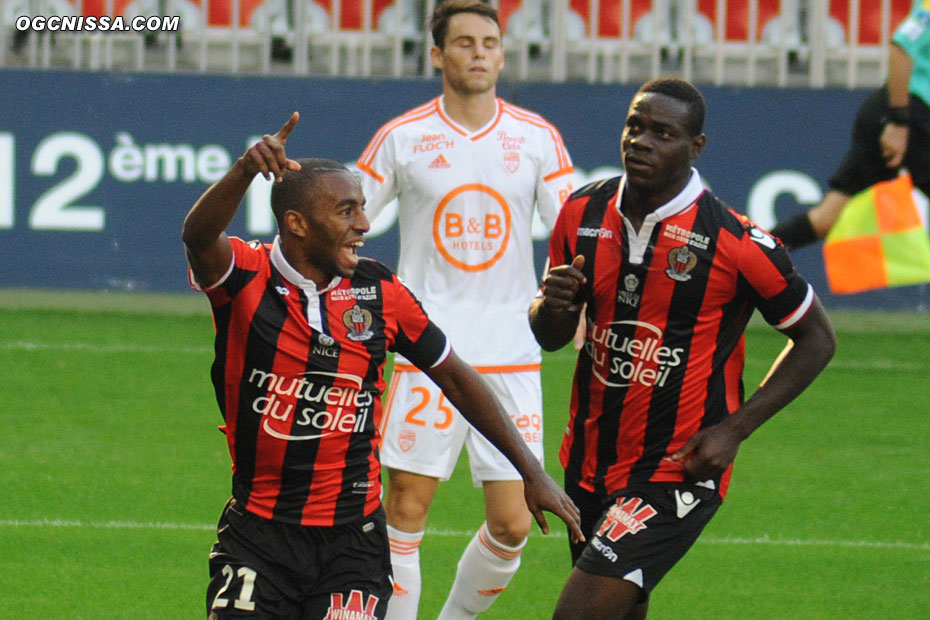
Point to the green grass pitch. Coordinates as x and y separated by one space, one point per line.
112 475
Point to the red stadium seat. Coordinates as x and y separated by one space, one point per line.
609 11
220 12
737 19
98 8
870 18
352 16
506 9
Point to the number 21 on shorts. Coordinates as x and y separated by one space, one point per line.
246 585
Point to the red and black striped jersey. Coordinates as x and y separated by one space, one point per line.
666 312
298 376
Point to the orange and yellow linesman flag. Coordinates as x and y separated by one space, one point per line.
878 240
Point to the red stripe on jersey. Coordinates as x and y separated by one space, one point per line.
232 336
664 351
757 268
302 406
658 292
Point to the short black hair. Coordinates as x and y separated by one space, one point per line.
296 185
683 91
439 23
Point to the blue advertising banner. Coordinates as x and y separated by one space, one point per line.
98 170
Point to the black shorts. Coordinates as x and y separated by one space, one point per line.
864 166
263 569
647 529
592 507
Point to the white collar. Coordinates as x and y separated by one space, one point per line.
462 130
295 277
685 198
639 240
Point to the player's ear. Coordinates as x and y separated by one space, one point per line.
697 145
296 223
435 55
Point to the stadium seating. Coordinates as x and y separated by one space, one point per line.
734 41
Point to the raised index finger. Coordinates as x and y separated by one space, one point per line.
288 127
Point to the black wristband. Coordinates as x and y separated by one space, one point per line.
898 116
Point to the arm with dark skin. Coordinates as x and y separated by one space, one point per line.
554 314
465 389
204 232
812 343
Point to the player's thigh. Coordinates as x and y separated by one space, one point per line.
646 530
421 430
520 394
355 577
243 580
596 597
238 590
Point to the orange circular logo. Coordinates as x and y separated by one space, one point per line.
472 234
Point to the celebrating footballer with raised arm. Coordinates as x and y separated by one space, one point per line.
303 328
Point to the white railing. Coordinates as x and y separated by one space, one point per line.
813 43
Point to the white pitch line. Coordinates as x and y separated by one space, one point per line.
886 365
104 525
711 540
93 347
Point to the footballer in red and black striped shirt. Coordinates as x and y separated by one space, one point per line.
668 276
303 327
299 377
666 311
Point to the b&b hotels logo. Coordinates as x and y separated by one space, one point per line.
471 227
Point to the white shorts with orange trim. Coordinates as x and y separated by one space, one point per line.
423 433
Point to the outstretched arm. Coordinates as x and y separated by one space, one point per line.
471 396
554 313
710 451
204 232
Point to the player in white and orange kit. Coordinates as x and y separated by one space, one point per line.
468 170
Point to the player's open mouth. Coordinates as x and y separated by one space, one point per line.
352 250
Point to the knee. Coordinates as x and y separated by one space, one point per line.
510 530
406 505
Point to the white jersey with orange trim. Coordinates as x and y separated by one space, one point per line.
465 207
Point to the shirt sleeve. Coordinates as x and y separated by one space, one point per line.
780 293
561 250
913 34
556 180
418 338
248 259
377 172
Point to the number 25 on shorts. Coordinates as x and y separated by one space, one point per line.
417 416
